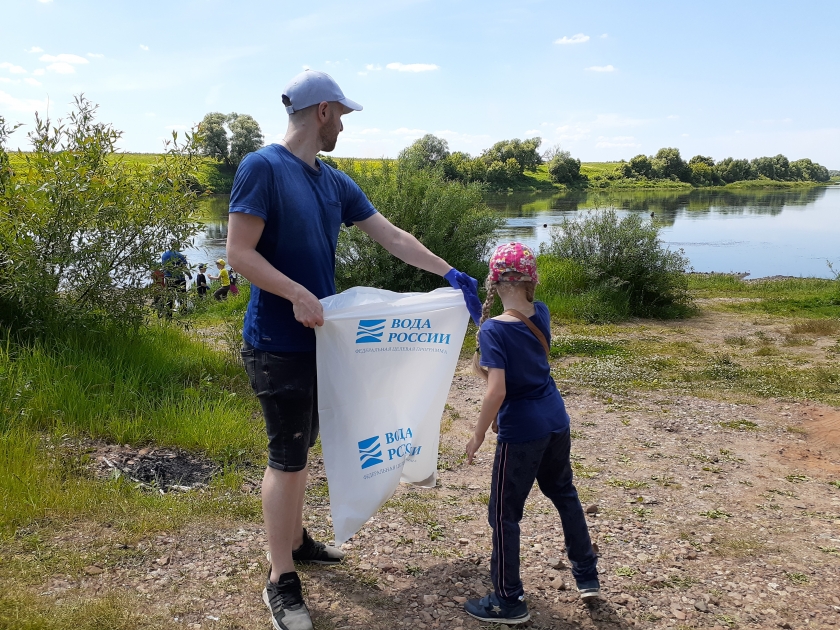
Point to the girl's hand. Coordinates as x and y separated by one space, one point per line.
473 445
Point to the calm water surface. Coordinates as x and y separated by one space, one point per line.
763 233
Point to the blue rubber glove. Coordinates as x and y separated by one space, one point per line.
469 287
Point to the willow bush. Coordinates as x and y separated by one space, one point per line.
448 217
624 261
81 228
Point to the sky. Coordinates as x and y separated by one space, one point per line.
605 80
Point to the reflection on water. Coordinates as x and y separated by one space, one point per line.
763 232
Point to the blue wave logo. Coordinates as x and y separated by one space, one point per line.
370 451
370 331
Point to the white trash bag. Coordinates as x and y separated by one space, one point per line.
385 365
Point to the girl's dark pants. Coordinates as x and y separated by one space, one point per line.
515 468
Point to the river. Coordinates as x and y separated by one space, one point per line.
761 232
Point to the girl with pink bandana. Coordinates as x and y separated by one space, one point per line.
533 444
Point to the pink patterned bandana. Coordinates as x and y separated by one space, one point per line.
513 257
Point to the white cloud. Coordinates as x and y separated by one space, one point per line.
12 68
601 69
63 58
604 36
405 131
412 67
39 72
531 132
44 1
580 38
35 49
673 117
143 47
32 81
176 127
370 68
61 68
12 103
6 80
95 55
306 67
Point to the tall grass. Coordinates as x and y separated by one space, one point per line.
799 297
155 385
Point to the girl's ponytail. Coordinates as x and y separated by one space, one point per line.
489 301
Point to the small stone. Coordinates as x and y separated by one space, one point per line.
163 561
678 614
701 606
786 625
558 583
428 600
459 600
592 509
707 539
557 563
387 550
94 569
595 548
691 555
463 541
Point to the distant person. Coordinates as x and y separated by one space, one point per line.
534 438
176 272
286 208
201 281
234 279
223 278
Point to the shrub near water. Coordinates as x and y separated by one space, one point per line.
449 218
623 259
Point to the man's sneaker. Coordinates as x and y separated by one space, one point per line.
285 601
491 608
591 589
314 552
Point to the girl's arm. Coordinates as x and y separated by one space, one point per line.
490 406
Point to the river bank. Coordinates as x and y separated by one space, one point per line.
707 450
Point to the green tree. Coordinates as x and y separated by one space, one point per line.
807 170
213 141
426 152
641 165
245 137
731 170
668 164
563 168
81 228
524 152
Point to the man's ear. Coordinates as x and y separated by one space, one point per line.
323 111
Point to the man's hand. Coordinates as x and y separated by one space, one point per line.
308 310
469 287
473 445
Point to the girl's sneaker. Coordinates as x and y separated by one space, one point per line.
491 608
590 589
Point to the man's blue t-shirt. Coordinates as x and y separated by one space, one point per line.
533 408
303 209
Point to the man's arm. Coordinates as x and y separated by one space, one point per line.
244 231
402 244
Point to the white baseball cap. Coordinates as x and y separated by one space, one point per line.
311 87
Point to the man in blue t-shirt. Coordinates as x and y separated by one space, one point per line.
286 208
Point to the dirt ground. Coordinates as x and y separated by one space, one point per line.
707 513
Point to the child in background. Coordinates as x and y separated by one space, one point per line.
224 278
201 281
534 437
234 278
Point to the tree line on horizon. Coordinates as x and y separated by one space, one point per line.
507 160
229 137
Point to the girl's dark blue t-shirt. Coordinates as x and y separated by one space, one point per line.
303 209
533 407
